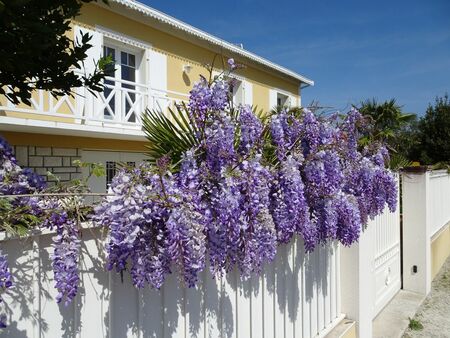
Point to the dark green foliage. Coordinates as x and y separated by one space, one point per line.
388 124
434 133
386 120
426 140
36 53
16 220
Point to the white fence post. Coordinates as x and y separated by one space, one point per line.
357 282
416 232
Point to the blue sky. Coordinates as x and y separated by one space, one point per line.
352 49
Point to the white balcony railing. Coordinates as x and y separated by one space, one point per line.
121 103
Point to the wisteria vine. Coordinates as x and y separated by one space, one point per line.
248 184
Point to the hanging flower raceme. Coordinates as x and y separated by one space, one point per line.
258 236
14 181
251 130
289 207
65 259
206 98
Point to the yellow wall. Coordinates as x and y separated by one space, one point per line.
261 98
440 250
43 140
180 52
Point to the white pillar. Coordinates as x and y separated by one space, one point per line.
416 232
357 282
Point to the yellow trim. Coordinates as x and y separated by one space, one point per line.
43 140
440 250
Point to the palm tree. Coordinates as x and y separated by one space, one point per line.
386 118
387 125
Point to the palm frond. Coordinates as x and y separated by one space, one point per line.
170 135
398 161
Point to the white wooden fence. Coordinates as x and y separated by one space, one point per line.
370 270
439 200
297 296
426 211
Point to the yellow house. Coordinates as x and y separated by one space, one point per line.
158 59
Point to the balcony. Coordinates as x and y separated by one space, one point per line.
113 113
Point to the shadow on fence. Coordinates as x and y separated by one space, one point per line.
110 305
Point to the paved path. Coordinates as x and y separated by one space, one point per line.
434 313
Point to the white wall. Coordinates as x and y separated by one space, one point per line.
298 296
439 202
426 210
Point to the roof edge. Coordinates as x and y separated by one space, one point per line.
178 24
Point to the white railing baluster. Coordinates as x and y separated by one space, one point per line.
91 108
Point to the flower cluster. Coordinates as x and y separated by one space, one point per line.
154 223
66 249
14 179
204 99
52 213
248 187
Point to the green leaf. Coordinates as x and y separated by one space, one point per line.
170 135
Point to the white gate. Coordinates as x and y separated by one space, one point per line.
387 257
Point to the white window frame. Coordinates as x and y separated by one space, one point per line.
285 100
121 42
240 89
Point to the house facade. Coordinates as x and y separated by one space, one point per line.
157 61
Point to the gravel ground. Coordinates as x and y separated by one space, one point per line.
434 313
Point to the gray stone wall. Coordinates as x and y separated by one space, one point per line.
58 161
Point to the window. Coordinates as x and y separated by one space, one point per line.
282 100
112 168
109 84
110 172
236 92
120 88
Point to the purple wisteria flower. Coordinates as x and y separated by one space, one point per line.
231 63
5 284
13 179
206 98
251 129
289 207
65 259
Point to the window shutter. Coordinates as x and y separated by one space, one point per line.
158 78
272 99
293 101
248 93
95 52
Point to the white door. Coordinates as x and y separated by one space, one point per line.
110 160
